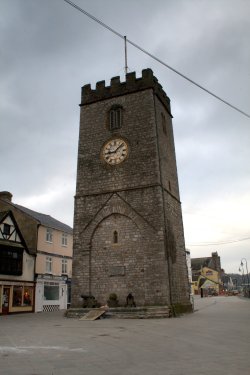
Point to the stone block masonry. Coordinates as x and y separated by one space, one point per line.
128 231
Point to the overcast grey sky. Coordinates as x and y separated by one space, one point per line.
49 50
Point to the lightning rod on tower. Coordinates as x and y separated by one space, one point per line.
126 62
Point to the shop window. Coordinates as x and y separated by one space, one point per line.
51 292
17 296
64 239
49 235
28 296
48 264
64 266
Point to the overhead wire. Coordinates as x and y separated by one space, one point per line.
219 242
154 57
180 74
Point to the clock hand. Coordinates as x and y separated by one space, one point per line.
122 144
113 152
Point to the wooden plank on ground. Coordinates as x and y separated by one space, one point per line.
93 315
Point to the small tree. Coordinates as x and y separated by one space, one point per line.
113 300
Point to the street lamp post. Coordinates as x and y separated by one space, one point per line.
241 269
242 265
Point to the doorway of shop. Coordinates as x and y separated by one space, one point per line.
6 300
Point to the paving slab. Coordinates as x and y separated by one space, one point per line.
215 338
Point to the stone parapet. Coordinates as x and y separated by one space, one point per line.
117 88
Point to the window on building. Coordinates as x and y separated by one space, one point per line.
163 122
64 266
115 237
48 264
22 296
28 296
51 291
49 235
6 229
64 239
17 296
115 118
11 261
169 185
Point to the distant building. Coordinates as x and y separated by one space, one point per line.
17 265
206 274
50 242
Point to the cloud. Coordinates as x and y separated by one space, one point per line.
49 50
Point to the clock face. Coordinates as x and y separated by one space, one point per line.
115 151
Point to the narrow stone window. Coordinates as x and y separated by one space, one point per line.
115 118
115 237
163 122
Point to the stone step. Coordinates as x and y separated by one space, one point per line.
144 312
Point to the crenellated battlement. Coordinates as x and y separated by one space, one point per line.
127 199
117 88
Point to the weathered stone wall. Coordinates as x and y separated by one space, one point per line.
138 130
176 250
172 205
139 199
102 267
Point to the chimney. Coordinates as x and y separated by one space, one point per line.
6 196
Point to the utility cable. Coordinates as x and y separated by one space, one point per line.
154 57
219 243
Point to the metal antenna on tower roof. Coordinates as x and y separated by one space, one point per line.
126 61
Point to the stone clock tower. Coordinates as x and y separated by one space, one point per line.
128 231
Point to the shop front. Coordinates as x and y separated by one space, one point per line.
51 293
17 264
16 297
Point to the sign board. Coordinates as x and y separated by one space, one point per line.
117 271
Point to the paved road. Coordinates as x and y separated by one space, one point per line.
215 339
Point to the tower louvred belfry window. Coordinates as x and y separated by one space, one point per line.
115 117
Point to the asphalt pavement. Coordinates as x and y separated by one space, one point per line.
215 339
